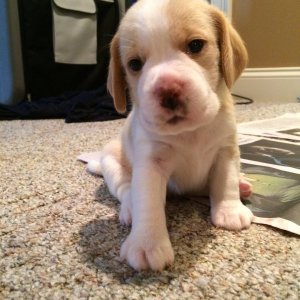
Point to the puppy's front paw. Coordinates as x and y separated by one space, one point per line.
232 216
143 251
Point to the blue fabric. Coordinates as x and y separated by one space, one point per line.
6 77
85 106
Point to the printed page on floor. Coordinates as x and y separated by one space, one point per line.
270 160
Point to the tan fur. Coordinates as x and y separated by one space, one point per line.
116 83
234 57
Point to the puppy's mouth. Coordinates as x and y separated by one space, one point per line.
175 120
176 111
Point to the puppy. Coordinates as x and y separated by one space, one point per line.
178 60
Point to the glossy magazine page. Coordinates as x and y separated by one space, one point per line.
270 159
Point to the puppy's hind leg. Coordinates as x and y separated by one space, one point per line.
117 175
94 167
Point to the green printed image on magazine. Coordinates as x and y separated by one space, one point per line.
272 152
275 194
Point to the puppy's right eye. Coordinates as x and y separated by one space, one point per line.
195 46
135 65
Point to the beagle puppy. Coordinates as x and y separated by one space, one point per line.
178 60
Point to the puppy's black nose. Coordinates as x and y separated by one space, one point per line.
170 102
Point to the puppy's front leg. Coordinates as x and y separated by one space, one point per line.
148 245
227 210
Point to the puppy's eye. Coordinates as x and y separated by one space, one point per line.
195 46
135 64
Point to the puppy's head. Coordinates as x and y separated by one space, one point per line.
173 56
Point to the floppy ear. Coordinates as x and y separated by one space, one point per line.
116 82
233 54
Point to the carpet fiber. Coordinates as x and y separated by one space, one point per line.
60 235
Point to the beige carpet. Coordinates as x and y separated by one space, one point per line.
60 235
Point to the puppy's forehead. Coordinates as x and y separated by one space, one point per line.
145 25
153 24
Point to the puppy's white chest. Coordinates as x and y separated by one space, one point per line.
192 169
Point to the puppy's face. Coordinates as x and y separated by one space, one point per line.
171 56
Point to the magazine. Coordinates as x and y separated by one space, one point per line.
285 127
270 160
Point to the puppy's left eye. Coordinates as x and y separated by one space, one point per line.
135 64
195 46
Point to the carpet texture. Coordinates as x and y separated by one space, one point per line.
60 235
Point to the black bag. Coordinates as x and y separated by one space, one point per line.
43 76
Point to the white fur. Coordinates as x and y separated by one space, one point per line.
94 166
154 154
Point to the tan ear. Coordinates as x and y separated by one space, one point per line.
234 57
116 83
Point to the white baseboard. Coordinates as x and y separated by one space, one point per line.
269 84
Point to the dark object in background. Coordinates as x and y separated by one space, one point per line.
73 91
83 106
43 76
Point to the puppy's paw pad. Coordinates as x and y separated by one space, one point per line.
147 253
232 217
245 187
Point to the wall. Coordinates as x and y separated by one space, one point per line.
271 31
12 87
